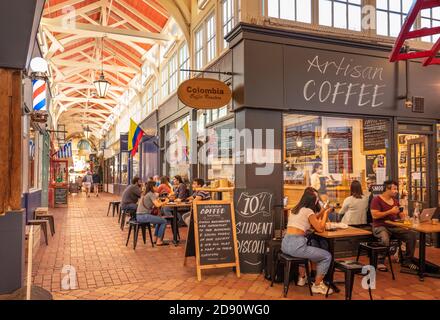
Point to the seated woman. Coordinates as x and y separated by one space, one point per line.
354 208
301 219
164 189
147 203
180 193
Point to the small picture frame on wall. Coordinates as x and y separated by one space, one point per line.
402 139
403 156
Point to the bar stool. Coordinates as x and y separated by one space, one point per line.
49 218
373 250
350 269
43 225
288 262
136 225
115 206
124 213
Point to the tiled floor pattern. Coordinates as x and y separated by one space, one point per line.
92 242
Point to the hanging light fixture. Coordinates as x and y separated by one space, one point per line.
87 132
327 139
102 85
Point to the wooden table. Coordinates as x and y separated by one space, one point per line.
174 226
331 236
426 269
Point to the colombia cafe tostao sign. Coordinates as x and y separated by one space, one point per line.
204 93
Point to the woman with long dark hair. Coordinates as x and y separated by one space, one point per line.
147 203
354 208
305 215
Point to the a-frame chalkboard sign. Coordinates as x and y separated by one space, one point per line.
212 236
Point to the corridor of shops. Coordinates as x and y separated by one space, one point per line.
290 149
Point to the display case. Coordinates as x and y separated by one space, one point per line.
59 183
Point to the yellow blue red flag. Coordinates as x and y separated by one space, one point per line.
135 134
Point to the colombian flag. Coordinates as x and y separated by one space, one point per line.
135 134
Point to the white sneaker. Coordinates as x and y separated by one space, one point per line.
302 281
321 288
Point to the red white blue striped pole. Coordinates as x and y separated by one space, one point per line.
39 95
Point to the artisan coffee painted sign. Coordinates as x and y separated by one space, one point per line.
350 87
204 93
335 81
254 226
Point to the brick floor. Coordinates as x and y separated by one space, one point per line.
106 269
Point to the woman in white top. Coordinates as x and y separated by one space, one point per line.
354 208
304 216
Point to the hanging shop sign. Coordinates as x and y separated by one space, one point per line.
204 93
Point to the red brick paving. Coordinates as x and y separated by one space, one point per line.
106 269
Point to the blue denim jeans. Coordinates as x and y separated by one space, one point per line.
296 246
159 223
168 212
129 206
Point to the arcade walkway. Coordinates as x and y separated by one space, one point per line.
94 245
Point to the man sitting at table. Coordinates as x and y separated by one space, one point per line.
386 207
198 195
131 195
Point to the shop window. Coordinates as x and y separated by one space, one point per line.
178 148
33 163
430 18
124 167
227 18
329 153
220 151
390 15
184 62
155 94
199 48
210 43
341 14
164 82
150 99
173 73
135 165
116 171
296 10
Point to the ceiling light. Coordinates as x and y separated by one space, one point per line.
102 85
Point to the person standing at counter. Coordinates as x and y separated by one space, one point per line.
318 181
302 218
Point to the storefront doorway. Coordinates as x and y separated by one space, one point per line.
416 169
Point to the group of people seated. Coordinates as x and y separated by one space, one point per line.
148 200
312 214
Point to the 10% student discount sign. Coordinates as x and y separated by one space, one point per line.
204 93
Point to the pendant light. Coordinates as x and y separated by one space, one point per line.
102 85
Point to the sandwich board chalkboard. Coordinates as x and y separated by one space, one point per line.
61 196
212 236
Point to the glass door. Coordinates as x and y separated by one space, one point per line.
414 171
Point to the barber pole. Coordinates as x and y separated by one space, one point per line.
39 95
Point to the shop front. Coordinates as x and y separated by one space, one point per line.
145 163
337 112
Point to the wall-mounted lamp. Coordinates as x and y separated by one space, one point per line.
327 139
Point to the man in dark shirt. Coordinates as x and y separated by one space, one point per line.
198 195
386 207
131 195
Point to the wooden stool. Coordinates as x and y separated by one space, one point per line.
350 269
50 219
114 205
288 262
43 225
373 250
136 225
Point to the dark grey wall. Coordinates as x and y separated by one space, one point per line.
11 251
285 70
19 20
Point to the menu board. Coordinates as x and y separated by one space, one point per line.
340 153
215 236
61 195
305 132
374 133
